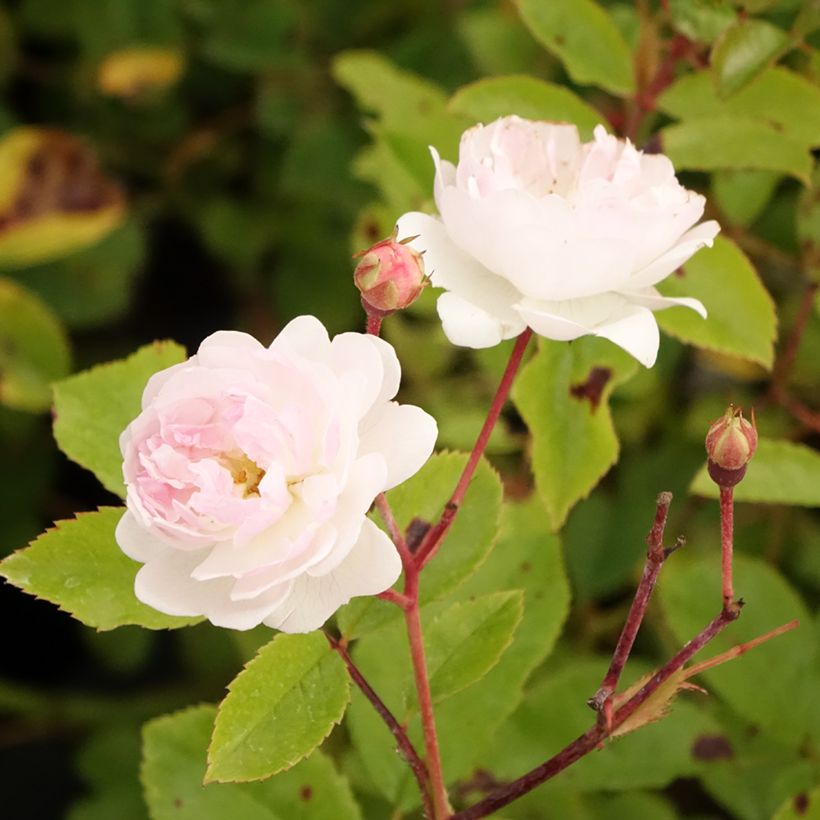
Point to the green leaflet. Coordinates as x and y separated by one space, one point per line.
742 319
174 765
586 40
281 706
94 407
563 394
79 567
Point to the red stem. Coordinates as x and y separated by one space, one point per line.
374 324
406 748
435 535
726 540
394 531
601 701
593 737
441 803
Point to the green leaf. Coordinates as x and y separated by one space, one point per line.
743 51
731 141
92 409
174 766
777 96
584 38
468 639
780 472
469 541
278 709
493 97
802 806
701 20
497 41
743 195
753 684
79 567
808 226
555 713
742 319
573 440
33 349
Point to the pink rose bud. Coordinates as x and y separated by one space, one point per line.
390 276
730 445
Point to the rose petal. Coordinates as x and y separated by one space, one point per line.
700 236
468 325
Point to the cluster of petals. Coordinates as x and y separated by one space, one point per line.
250 471
540 230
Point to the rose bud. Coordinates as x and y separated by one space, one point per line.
730 445
390 276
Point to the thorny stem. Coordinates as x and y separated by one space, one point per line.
726 536
435 535
441 803
402 740
601 701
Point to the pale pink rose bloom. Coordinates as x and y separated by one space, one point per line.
539 229
250 470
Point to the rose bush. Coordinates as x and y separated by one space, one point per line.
539 229
250 470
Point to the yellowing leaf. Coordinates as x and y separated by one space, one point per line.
130 72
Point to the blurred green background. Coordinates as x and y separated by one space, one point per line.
172 167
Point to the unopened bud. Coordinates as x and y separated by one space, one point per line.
390 276
730 445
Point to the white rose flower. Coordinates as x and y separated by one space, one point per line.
250 470
539 229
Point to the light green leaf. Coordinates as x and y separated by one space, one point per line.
777 96
802 806
584 38
753 684
701 20
278 709
780 472
743 51
33 349
469 541
742 319
174 766
555 712
79 567
468 639
493 97
743 195
92 409
574 441
497 41
730 141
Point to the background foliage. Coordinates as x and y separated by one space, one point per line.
171 167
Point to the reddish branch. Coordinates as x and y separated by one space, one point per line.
601 701
406 748
726 539
435 535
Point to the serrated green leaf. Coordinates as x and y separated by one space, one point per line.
742 195
526 96
174 766
468 638
777 96
754 683
555 712
701 20
573 440
741 320
92 409
278 709
730 141
468 543
79 567
780 472
33 349
743 51
583 36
